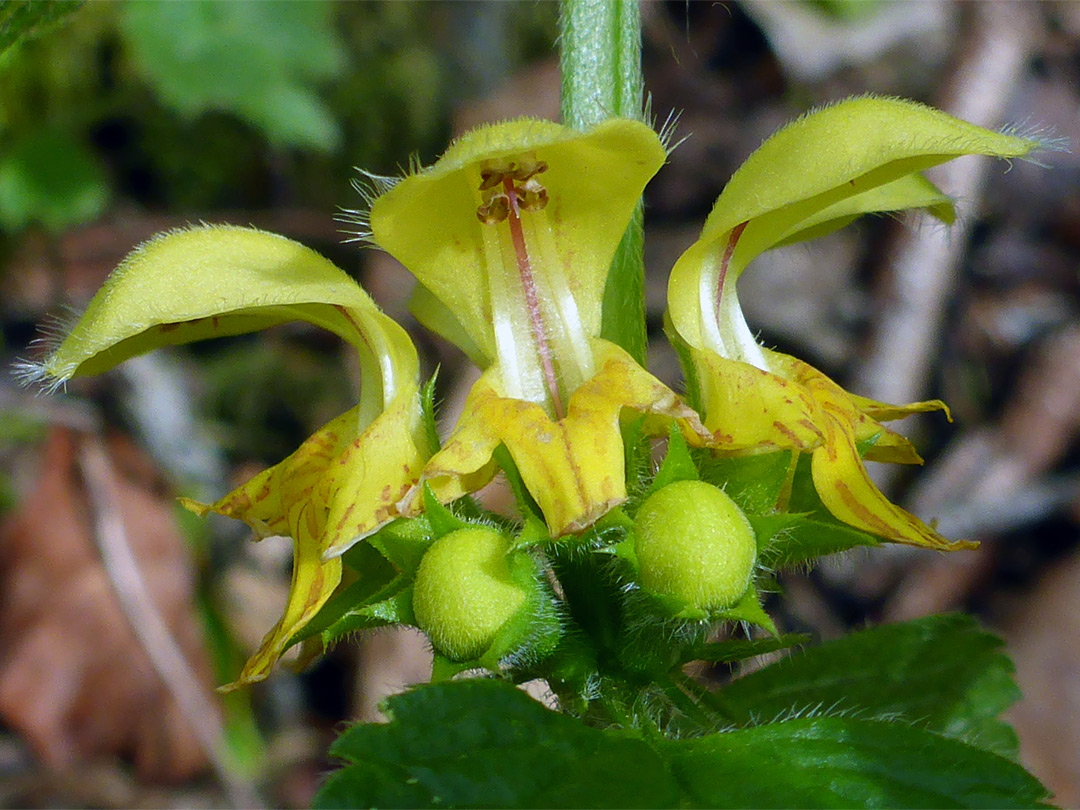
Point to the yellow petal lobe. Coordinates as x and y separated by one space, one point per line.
573 467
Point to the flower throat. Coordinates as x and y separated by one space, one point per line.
542 349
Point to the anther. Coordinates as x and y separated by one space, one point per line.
527 170
495 210
491 177
531 196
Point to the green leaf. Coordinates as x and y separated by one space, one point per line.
21 20
259 61
832 762
49 177
484 743
942 673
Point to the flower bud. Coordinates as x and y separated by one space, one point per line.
464 592
694 544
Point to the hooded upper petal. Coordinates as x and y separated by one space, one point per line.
819 173
594 179
345 481
816 174
511 235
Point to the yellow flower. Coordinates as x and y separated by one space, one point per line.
511 234
345 481
813 176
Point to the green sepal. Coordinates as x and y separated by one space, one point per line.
526 505
441 519
533 633
445 669
610 530
533 534
739 649
748 609
754 482
403 542
395 609
383 567
637 455
678 464
683 350
427 405
804 539
372 575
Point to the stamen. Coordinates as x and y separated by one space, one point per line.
528 284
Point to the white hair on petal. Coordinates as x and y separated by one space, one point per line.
370 187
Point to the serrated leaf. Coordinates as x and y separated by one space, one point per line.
484 743
943 673
832 762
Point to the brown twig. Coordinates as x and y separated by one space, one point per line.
146 621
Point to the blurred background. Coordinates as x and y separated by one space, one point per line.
120 120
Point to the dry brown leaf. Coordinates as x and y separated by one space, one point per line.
73 678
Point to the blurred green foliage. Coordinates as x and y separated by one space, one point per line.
848 10
50 177
23 19
268 395
203 106
258 61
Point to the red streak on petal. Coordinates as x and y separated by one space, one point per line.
729 251
536 317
